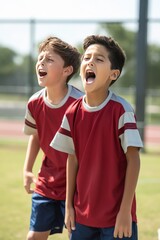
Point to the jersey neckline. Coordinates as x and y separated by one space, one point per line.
64 100
96 108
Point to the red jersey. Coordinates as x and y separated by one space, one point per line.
45 118
99 136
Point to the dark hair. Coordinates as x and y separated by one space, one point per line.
116 54
69 54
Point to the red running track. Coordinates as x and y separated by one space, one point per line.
14 128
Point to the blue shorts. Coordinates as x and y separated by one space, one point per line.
47 214
83 232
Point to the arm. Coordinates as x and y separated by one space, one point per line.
72 168
31 154
123 226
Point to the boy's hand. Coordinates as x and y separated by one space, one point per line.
123 226
29 178
70 219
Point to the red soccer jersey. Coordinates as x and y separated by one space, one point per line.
99 136
45 118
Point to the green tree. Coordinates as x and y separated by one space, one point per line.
17 70
7 64
153 70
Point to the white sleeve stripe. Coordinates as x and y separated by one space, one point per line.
130 138
29 118
30 124
63 143
127 117
65 123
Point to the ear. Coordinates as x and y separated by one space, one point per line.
115 74
68 70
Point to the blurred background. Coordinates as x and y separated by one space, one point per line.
135 24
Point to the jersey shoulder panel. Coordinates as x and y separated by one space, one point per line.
123 102
36 95
72 109
76 93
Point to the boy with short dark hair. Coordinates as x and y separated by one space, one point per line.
57 63
100 135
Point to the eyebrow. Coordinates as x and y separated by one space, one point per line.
47 55
97 55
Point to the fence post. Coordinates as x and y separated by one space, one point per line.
141 75
31 66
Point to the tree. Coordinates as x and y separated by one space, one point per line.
16 70
153 70
7 64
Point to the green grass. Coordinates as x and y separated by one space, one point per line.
15 202
148 196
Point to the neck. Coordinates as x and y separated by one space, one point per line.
55 95
95 99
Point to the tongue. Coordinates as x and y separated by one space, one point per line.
90 80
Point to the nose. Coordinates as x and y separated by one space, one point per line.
41 62
90 63
41 59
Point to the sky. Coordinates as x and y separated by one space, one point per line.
17 35
67 9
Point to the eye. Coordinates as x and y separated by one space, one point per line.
40 58
50 60
86 58
99 60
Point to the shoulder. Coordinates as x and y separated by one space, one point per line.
122 103
37 95
74 106
75 92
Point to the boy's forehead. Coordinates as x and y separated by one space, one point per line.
47 52
97 49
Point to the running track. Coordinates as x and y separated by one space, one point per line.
13 129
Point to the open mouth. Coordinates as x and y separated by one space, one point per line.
90 77
42 73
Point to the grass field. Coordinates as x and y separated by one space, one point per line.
15 203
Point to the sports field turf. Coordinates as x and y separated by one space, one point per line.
15 203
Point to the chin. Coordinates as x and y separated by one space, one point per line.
41 84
